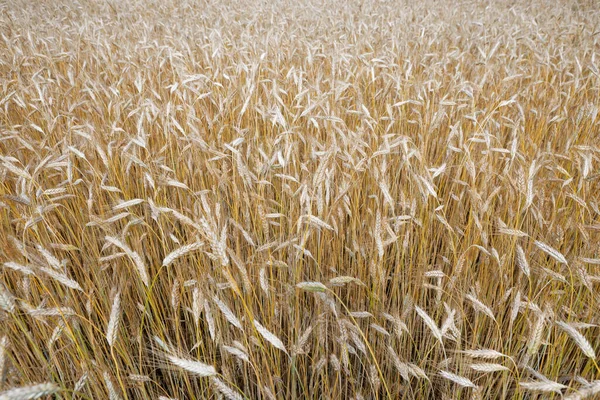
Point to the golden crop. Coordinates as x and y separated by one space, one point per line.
283 199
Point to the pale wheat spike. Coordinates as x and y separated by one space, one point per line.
80 384
479 306
135 257
16 170
229 315
56 333
225 390
579 339
315 221
139 378
512 232
594 261
387 197
113 323
209 320
488 354
177 184
551 251
400 366
116 218
175 294
183 250
398 325
585 392
342 280
161 343
268 393
236 352
360 314
197 303
216 243
543 386
269 337
110 387
244 233
449 322
459 380
380 329
195 367
435 274
334 361
417 371
52 312
377 235
516 306
52 261
30 392
128 203
111 257
536 335
3 356
242 269
302 341
488 367
20 268
522 261
430 323
59 277
7 300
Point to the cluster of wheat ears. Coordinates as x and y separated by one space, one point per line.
289 199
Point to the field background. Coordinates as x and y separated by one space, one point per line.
299 199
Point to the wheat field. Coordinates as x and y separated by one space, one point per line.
299 199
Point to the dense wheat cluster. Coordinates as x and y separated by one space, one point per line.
299 199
